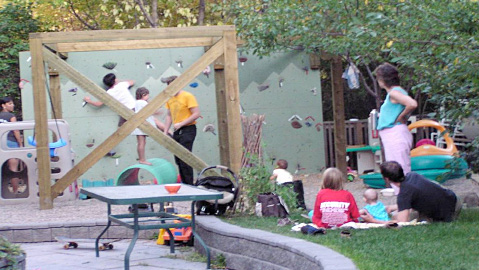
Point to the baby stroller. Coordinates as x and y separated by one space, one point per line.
217 183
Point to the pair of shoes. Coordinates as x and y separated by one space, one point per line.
308 229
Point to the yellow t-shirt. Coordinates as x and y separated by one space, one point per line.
180 106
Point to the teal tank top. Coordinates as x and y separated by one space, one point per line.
390 111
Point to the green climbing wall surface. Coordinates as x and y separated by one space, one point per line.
279 86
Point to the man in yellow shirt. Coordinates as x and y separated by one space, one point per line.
183 111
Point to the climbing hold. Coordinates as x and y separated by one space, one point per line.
209 128
243 59
296 124
207 71
179 63
194 85
109 65
295 117
263 86
149 65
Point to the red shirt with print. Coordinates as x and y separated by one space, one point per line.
333 208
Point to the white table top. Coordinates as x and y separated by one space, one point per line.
137 194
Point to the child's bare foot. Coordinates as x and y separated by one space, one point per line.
145 162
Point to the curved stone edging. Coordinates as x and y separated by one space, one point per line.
251 249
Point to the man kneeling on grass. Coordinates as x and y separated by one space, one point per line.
430 200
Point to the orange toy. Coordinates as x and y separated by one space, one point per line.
183 234
428 150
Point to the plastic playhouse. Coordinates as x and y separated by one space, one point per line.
431 161
368 156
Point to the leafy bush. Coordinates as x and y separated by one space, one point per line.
254 180
9 252
472 156
16 23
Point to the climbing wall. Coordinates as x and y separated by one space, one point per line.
283 87
25 173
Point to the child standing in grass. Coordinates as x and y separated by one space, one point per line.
373 206
334 206
142 96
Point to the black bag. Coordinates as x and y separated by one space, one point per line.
270 205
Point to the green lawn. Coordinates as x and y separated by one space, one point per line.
434 246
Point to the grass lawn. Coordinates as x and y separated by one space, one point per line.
434 246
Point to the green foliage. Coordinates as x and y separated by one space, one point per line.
288 195
472 156
254 180
15 24
58 15
433 42
9 252
433 246
219 262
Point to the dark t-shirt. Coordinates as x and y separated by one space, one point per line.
426 197
4 118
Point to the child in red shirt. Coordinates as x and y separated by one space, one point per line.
334 206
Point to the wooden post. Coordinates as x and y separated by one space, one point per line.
41 125
232 101
221 111
56 94
314 61
56 97
338 113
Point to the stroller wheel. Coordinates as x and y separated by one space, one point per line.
200 208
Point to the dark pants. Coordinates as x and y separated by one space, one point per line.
298 189
185 136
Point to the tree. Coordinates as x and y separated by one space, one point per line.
433 42
125 14
15 24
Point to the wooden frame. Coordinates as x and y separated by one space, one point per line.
48 47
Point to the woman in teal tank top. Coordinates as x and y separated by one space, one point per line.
392 123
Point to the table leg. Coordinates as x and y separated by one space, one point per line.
135 237
97 250
193 230
172 240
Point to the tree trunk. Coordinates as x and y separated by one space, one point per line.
338 113
201 12
154 13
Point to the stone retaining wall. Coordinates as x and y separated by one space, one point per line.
46 232
251 249
247 249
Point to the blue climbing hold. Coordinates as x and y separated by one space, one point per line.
194 85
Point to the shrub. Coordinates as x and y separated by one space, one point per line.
254 180
9 253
